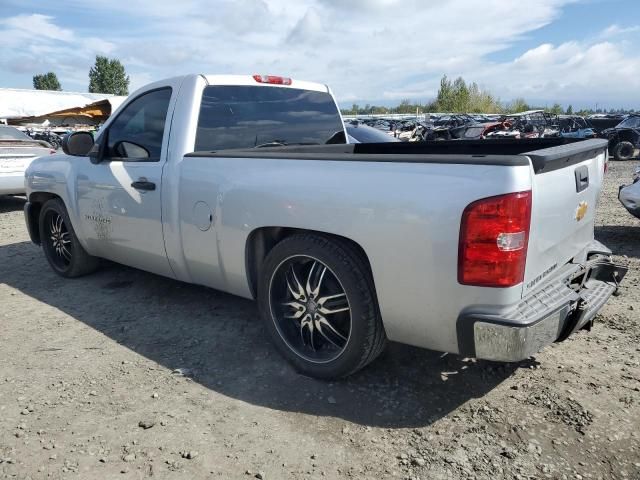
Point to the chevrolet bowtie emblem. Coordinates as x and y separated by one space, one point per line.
581 210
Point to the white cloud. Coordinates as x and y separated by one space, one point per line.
35 43
364 49
577 72
616 30
35 25
99 46
137 80
308 29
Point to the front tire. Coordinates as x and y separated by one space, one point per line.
60 243
319 305
623 151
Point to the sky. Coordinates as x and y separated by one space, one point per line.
580 52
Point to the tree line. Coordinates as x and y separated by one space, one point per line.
458 96
106 76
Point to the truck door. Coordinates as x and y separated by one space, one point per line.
118 199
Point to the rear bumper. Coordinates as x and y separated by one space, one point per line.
12 183
550 314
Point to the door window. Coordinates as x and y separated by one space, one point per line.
136 134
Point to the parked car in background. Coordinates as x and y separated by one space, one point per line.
629 195
480 248
445 127
624 138
17 150
575 126
602 121
48 136
478 131
360 133
528 124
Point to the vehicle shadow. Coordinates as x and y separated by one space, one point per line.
219 339
11 204
621 239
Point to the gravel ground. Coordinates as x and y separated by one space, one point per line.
125 374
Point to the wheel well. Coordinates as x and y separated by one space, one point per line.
262 240
626 136
37 200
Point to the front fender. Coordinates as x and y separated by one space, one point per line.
54 176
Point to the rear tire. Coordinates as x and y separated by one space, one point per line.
60 243
321 340
623 151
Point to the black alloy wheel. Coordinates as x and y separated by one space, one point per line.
61 246
317 298
310 308
57 239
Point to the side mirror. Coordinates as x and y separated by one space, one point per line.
97 152
77 143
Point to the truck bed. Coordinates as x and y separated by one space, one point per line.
546 154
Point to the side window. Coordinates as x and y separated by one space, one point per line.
136 134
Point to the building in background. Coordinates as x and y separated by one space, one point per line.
58 112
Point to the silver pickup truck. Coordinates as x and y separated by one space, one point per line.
245 184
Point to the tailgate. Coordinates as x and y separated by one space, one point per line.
565 186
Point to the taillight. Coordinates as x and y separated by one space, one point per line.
273 79
494 234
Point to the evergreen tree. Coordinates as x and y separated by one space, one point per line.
108 76
46 81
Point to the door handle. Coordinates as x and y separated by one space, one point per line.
582 178
143 184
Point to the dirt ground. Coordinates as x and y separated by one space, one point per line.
124 374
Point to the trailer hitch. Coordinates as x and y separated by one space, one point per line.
607 272
596 286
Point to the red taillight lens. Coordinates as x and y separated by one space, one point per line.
494 235
273 79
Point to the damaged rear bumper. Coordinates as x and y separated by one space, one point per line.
551 314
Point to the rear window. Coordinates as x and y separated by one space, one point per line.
251 116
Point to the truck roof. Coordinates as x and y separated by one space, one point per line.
250 80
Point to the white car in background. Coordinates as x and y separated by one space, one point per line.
17 150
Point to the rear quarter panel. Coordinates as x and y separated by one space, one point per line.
406 217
